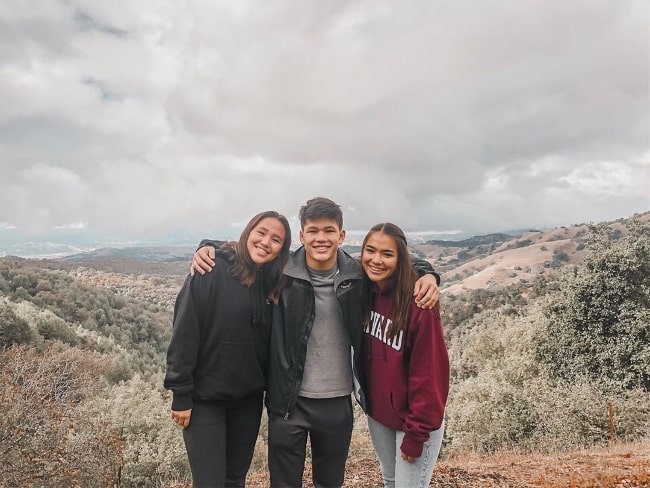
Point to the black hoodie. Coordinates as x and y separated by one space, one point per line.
219 344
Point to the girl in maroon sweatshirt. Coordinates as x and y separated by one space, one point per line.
406 364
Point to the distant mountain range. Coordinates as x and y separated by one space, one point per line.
472 241
136 253
99 254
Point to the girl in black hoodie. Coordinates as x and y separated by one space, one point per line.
218 355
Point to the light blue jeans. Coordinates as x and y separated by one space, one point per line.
396 472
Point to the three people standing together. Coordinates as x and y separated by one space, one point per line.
323 304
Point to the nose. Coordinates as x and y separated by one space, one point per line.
266 240
376 258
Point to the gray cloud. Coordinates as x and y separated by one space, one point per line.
145 118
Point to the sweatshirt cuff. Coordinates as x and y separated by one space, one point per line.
412 447
182 401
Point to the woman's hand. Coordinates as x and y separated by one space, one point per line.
182 417
408 458
426 291
203 260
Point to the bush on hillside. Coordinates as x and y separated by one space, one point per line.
599 327
492 404
502 397
154 453
577 415
13 329
48 326
48 437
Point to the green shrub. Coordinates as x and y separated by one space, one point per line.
599 327
154 453
13 329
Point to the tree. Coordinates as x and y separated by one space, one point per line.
13 329
599 325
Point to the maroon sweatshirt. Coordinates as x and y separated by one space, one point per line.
407 378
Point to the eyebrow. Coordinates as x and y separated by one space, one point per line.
385 251
315 227
261 227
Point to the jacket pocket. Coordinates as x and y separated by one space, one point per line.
233 373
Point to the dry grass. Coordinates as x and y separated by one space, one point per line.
619 466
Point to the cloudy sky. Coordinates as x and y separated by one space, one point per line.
143 119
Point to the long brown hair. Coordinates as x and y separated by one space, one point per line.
245 270
404 278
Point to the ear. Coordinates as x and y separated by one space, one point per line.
302 241
341 236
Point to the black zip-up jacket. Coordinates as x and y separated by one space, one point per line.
220 341
293 319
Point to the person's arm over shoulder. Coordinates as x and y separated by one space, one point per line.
428 380
210 242
426 291
423 267
203 258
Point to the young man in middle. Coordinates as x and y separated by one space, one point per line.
316 323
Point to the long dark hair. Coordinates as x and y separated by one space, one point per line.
245 270
404 279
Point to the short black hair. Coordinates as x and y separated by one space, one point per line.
320 208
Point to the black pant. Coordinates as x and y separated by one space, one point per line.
328 422
220 441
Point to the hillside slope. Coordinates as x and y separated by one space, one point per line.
503 260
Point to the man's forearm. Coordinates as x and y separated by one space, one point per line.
210 242
423 267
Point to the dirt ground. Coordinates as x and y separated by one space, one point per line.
618 466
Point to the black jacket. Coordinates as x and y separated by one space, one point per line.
220 341
293 319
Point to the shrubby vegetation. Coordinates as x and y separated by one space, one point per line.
110 350
48 435
458 310
599 327
555 374
55 305
13 329
503 397
153 454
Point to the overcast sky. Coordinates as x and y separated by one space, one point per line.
144 118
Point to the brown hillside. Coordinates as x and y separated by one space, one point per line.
520 258
161 290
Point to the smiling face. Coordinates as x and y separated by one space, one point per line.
379 258
265 241
321 238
